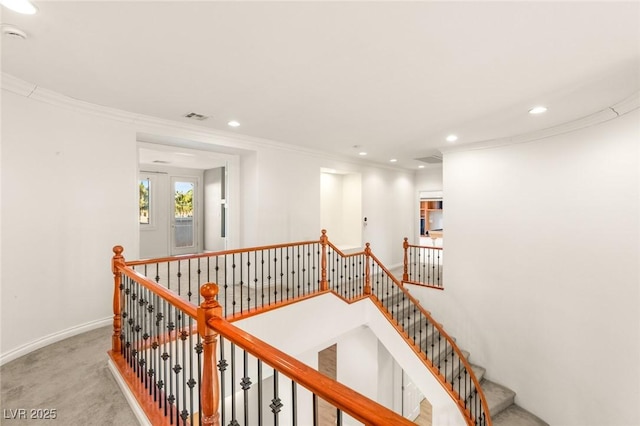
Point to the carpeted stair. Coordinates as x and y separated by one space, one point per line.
500 399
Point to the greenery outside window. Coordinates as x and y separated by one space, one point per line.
145 190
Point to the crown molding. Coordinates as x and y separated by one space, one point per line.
631 103
154 125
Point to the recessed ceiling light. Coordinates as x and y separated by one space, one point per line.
233 123
421 166
393 160
21 6
452 138
362 153
538 110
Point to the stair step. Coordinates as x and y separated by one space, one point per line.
498 397
516 416
478 371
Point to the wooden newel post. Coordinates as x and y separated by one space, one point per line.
209 389
405 272
367 269
324 285
116 262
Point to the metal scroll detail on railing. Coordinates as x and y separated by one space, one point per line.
249 279
155 340
167 350
435 347
422 265
166 342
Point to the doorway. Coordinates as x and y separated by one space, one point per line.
431 218
341 207
184 200
184 220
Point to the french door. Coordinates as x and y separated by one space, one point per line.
184 218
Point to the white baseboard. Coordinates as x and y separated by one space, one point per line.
131 399
53 338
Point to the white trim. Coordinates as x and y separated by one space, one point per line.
53 338
150 124
631 103
159 126
128 395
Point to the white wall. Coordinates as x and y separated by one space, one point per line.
341 208
82 161
358 329
287 201
69 195
429 179
331 204
389 205
542 276
213 181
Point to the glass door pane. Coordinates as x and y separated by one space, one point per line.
183 227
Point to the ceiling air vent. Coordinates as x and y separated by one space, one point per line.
196 116
161 162
432 159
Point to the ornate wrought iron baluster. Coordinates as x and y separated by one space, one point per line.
314 403
294 404
262 278
232 357
222 366
276 402
233 283
285 275
259 391
255 279
439 283
191 382
280 276
245 384
269 274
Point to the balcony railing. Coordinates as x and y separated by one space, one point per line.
187 364
422 265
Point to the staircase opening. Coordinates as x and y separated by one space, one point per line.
327 365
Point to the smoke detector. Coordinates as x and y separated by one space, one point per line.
13 32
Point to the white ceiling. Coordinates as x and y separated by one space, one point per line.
392 77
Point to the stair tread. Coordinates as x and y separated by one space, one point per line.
498 397
477 370
516 416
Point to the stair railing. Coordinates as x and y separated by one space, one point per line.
422 265
166 349
436 349
252 281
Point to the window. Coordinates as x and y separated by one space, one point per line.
145 189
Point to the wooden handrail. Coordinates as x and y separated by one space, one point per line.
171 297
428 247
342 397
451 342
214 253
346 399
